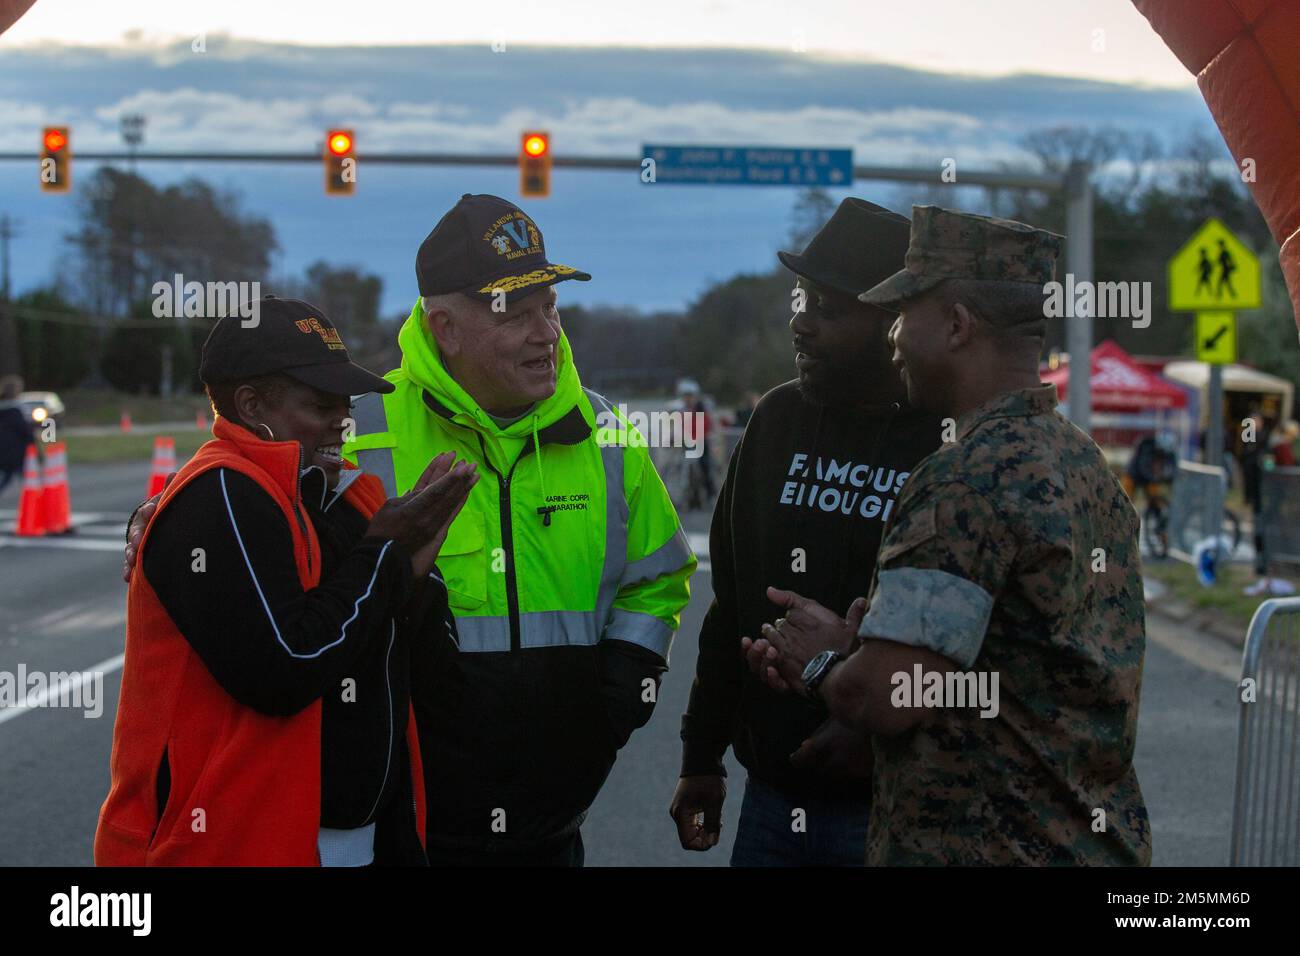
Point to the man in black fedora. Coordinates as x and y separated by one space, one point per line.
807 494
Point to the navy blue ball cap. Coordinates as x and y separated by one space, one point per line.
289 336
485 244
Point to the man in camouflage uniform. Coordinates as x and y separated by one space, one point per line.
1013 552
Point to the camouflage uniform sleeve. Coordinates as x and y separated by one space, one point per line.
943 561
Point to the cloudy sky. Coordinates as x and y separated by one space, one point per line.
1099 39
955 79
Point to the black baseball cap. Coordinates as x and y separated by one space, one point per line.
290 336
485 243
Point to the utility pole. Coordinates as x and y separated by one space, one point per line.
1078 331
133 136
11 360
132 125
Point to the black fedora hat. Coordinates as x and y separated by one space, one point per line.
861 245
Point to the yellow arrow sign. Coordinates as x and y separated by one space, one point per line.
1216 337
1213 271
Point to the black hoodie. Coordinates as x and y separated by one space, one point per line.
807 494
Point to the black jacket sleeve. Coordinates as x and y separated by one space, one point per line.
709 724
220 558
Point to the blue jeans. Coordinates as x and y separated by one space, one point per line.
834 831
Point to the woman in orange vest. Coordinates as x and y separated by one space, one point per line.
264 716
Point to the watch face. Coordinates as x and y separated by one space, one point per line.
815 665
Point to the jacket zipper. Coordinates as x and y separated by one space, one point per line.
507 542
302 522
392 720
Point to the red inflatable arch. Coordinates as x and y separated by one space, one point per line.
1246 58
11 10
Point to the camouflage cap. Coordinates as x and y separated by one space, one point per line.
946 244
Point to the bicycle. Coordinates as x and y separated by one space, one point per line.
1155 522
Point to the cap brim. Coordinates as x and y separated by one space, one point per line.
518 286
828 278
340 378
898 288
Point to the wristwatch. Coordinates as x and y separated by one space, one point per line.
815 672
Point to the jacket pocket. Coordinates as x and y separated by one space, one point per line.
463 562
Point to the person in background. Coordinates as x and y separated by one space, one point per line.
1282 444
746 411
15 433
698 424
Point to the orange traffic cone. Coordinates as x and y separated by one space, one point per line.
124 422
55 498
200 420
164 463
31 513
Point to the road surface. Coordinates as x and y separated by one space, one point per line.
62 606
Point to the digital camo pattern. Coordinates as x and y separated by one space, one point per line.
1018 505
959 245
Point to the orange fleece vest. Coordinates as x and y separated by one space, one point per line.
245 787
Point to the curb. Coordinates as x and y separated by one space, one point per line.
1207 622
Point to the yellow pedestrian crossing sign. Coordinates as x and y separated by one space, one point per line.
1214 271
1216 337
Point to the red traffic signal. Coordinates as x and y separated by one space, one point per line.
339 142
535 164
535 144
56 160
340 163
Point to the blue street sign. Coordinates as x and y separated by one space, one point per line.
748 165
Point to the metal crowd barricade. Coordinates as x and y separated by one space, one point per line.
1195 507
1266 803
1279 517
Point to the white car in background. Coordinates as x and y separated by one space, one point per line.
39 407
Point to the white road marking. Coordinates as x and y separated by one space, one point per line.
69 684
81 517
65 542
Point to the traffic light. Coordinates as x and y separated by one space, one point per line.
535 164
56 160
340 163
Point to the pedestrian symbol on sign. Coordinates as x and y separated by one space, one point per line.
1214 271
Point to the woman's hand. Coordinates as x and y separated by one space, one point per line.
419 519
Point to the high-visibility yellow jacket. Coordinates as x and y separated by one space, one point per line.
566 571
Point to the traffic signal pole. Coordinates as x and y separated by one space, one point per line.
1075 185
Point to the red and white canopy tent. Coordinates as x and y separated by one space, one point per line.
1119 384
1128 401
